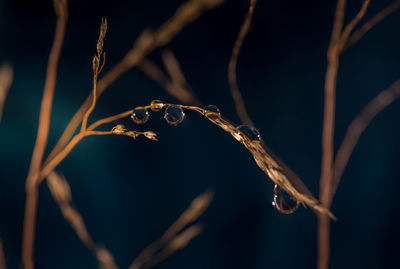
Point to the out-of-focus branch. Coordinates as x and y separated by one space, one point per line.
359 33
6 78
236 95
61 192
352 24
180 87
339 38
357 127
42 135
174 238
2 256
148 41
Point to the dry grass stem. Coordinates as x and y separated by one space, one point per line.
6 78
174 238
356 128
358 34
2 256
180 88
61 192
42 135
266 161
116 130
236 95
351 25
337 43
98 65
148 41
176 90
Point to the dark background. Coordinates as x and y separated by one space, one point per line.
129 191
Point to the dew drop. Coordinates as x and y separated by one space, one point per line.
283 202
250 132
140 115
212 109
156 105
174 115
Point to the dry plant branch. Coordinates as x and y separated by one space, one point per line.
264 158
180 88
358 34
176 237
61 192
177 90
351 25
148 41
357 127
6 78
98 65
116 130
42 135
2 256
337 44
236 95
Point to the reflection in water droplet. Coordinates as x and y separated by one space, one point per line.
174 115
250 132
156 105
283 202
213 109
140 115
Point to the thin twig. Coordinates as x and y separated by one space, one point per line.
154 253
61 192
358 34
338 38
3 264
148 41
97 67
6 78
357 127
327 133
180 87
42 135
236 95
176 90
352 24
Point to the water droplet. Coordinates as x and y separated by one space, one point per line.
140 115
250 132
174 115
156 105
213 109
283 202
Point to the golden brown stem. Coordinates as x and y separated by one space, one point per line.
42 135
2 256
150 254
64 153
357 127
358 34
328 131
352 24
179 87
109 119
6 77
338 39
236 95
146 42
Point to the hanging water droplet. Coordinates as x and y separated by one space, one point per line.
250 132
283 202
174 115
140 115
212 109
156 105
